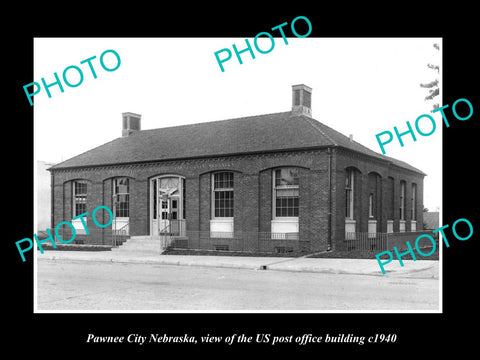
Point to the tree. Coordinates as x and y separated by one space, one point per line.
433 87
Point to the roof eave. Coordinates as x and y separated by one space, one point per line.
417 171
310 148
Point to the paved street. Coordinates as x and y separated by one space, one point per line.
90 285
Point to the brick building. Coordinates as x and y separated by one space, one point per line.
275 182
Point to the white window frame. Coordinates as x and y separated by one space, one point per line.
371 199
75 196
213 191
115 194
274 197
283 227
403 185
120 222
414 202
350 172
221 227
155 211
77 223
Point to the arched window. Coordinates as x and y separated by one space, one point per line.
414 202
402 221
352 182
79 204
285 204
285 191
402 199
371 212
349 193
222 194
79 197
121 194
222 223
413 220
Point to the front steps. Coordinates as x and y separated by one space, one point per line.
148 244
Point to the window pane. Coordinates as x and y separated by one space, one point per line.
80 197
286 192
347 205
286 176
223 202
348 178
154 199
80 188
168 183
286 206
223 180
402 200
122 197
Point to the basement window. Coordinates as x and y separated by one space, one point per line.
283 249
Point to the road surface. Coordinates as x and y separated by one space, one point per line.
87 285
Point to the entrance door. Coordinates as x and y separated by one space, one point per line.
169 221
164 206
167 213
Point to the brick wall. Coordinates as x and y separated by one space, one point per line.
252 194
365 183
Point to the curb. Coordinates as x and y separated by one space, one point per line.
272 266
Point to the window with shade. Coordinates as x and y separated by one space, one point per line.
349 193
222 194
402 199
121 197
286 192
79 197
414 202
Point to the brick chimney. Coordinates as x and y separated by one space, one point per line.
130 123
301 100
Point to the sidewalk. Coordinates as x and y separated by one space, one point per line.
419 269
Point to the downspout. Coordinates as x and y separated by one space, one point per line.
329 240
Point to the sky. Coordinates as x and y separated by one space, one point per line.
361 86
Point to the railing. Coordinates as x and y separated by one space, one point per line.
122 232
249 242
174 228
364 241
400 239
360 241
165 237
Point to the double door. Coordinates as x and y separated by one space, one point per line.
166 210
168 214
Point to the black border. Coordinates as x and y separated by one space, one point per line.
429 333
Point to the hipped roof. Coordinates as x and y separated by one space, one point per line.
281 131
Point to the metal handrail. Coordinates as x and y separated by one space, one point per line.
163 231
164 234
118 232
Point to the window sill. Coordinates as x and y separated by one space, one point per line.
284 226
222 228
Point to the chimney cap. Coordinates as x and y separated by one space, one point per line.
302 86
128 113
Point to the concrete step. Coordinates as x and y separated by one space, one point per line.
140 243
149 243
